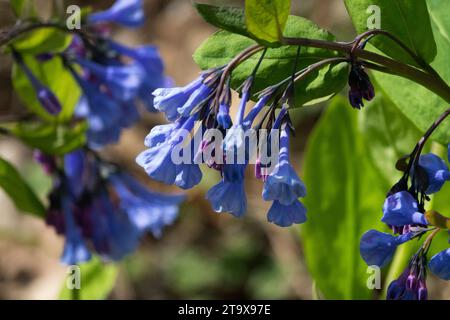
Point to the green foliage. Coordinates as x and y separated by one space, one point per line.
420 105
97 281
227 18
266 19
345 195
51 138
221 47
22 8
53 74
19 191
42 40
408 20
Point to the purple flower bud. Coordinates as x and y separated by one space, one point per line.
422 292
43 94
360 87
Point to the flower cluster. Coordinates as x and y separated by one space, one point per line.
113 77
96 206
226 145
404 212
99 208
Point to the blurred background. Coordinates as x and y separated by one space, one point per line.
204 254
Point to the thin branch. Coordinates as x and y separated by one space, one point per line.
432 82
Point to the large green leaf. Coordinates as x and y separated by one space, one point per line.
408 20
227 18
96 282
221 47
345 195
19 191
266 19
43 40
420 105
52 138
53 74
18 6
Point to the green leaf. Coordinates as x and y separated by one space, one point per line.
408 20
390 135
277 65
417 103
344 200
18 6
19 191
96 282
42 40
266 19
22 8
54 75
52 138
227 18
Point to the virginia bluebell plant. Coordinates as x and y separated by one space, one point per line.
100 208
404 212
97 206
207 101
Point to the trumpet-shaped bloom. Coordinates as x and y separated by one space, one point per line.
401 209
229 194
171 100
129 13
123 81
283 184
440 264
437 172
75 249
287 215
377 248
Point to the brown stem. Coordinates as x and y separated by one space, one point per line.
319 65
376 32
419 147
233 63
432 82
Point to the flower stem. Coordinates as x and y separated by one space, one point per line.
432 82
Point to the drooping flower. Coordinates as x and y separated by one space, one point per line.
103 114
147 210
411 285
283 184
148 58
377 248
401 209
171 100
436 170
75 249
44 95
104 209
287 215
157 161
229 194
129 13
360 86
223 116
123 81
440 264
